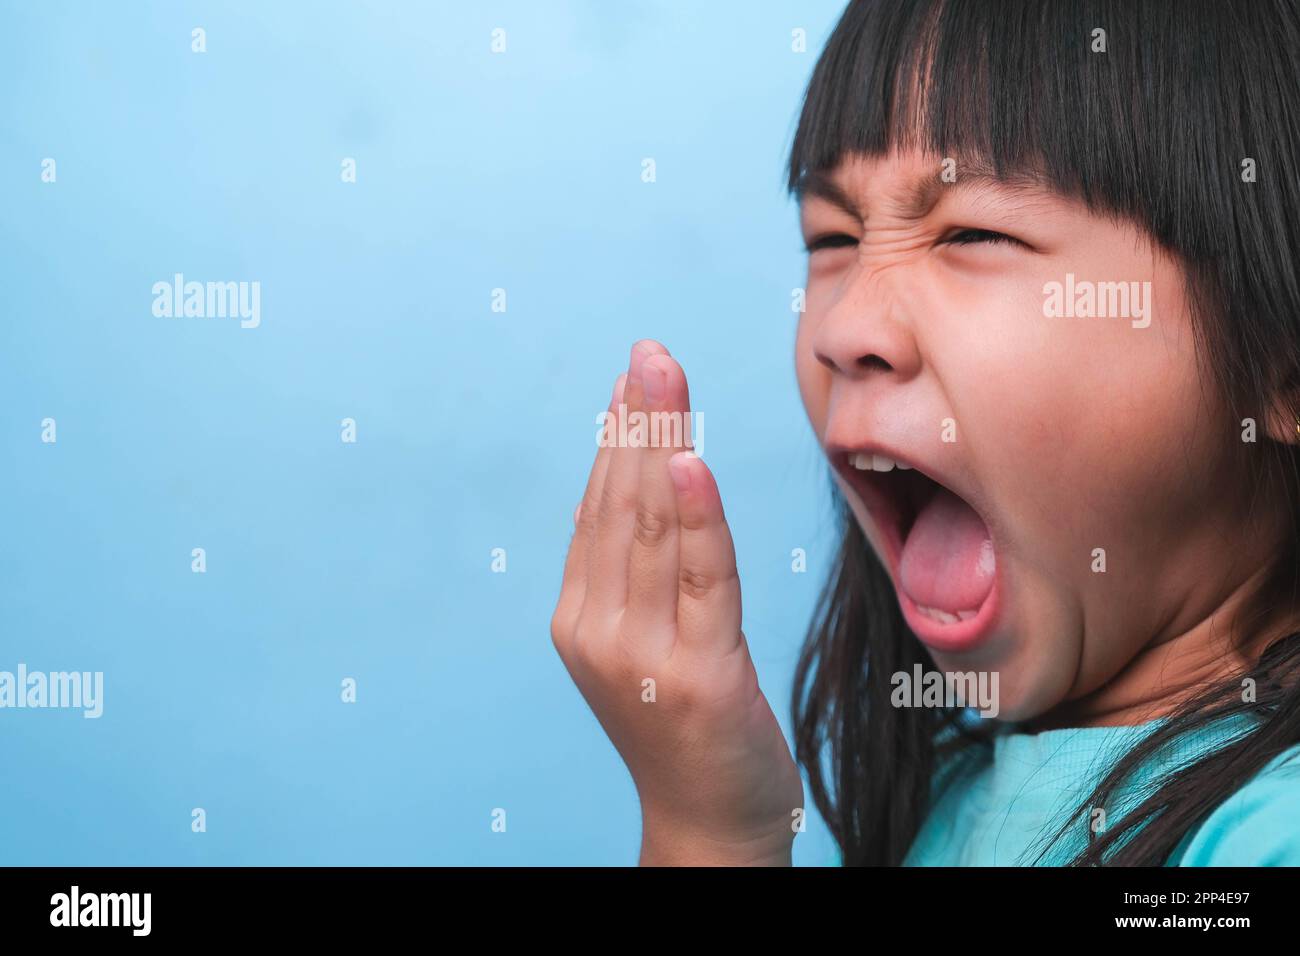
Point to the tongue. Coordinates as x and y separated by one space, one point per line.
947 560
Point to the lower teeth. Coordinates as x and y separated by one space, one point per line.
945 617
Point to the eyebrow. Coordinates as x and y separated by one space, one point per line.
922 194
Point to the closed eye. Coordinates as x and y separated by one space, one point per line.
967 237
962 237
830 240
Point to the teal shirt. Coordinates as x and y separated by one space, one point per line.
999 808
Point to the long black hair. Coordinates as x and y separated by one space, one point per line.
1188 124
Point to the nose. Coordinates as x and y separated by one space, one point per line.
864 333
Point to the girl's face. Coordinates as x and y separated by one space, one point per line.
1091 504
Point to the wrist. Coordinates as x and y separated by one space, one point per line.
668 844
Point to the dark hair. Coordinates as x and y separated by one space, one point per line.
1153 131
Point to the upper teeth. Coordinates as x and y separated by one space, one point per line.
865 462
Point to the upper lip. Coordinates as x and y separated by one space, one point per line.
842 454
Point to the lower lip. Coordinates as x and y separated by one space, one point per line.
956 638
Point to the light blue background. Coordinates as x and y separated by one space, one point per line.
475 429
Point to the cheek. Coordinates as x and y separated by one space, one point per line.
1077 419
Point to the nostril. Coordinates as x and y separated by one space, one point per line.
874 361
863 363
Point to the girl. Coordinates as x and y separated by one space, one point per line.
1051 349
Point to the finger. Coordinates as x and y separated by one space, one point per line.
708 588
573 587
616 512
589 507
652 563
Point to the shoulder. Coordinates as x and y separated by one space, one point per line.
1259 825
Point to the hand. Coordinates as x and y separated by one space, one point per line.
648 624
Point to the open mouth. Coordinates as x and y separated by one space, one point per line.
938 548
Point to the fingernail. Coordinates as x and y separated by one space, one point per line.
655 382
619 384
577 513
678 467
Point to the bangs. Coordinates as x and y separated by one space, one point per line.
1153 128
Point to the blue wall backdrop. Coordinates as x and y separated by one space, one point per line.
475 171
